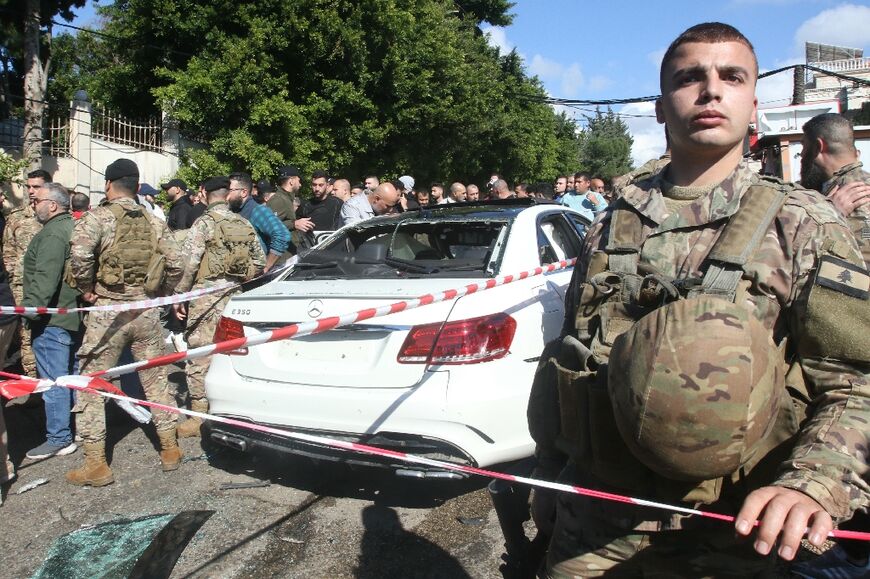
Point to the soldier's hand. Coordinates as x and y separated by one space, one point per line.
848 197
787 514
543 510
304 224
89 297
180 311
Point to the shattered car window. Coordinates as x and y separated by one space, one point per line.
412 247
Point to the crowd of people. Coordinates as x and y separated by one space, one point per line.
724 313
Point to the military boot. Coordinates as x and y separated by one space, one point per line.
170 453
191 426
95 472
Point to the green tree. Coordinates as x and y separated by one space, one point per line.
353 86
605 145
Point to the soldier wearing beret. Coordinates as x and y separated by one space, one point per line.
121 253
220 247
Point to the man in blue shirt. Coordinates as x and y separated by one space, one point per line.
583 199
273 235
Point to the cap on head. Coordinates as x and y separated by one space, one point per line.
264 186
146 189
215 183
174 183
121 168
288 171
407 182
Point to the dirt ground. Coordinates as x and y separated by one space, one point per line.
314 519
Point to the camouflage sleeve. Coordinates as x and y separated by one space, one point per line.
86 238
258 256
829 317
192 252
171 250
9 249
593 242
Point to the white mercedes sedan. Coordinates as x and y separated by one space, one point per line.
449 381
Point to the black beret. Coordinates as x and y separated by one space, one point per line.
120 169
215 183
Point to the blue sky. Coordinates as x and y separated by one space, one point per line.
612 48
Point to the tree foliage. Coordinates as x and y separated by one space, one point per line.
606 145
352 86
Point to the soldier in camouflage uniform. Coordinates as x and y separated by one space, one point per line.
117 253
829 160
21 227
654 422
221 246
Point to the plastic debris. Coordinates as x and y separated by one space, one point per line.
32 485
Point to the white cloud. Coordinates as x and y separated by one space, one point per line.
572 81
847 25
648 135
776 90
497 37
599 83
544 68
656 56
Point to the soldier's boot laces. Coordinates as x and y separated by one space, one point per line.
170 453
191 427
95 472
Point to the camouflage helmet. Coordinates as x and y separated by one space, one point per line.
695 387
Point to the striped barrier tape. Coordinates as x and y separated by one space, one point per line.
142 304
325 324
20 385
85 384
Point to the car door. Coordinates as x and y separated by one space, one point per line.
557 240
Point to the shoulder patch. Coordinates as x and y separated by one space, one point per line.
840 275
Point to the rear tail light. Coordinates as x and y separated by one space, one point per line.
462 342
230 329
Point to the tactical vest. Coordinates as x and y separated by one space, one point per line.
228 251
131 256
617 293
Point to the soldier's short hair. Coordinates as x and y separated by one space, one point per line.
40 174
128 185
834 129
707 33
57 193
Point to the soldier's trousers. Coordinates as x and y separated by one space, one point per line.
106 335
28 359
203 316
595 538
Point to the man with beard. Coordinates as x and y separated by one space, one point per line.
323 209
274 237
180 212
829 162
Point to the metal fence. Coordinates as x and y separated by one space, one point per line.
146 134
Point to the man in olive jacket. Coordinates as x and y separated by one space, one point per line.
55 336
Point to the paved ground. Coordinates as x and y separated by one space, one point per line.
313 520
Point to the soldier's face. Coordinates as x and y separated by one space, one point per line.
708 96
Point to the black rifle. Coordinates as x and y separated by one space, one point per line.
522 557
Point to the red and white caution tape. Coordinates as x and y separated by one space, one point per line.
330 323
141 304
75 383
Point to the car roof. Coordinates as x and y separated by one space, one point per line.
506 209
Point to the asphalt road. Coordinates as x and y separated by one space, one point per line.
312 520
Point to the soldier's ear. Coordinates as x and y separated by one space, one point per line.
660 113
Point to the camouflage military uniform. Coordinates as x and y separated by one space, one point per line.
859 220
21 227
108 333
646 170
204 313
828 462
